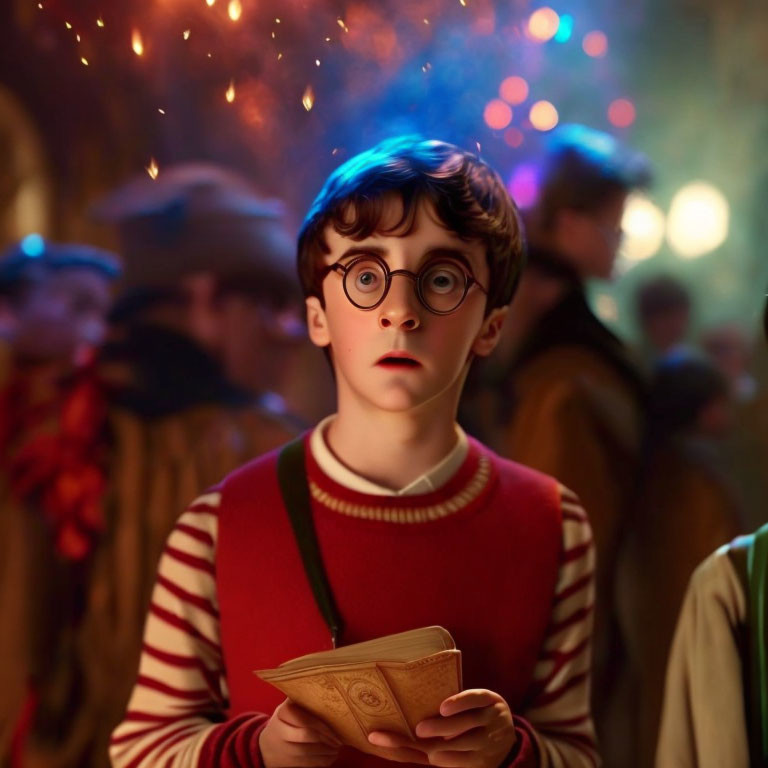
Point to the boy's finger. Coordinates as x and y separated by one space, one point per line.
454 725
293 715
471 699
400 749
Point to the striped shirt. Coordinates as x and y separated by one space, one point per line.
180 697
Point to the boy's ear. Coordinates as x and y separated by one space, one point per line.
317 322
490 332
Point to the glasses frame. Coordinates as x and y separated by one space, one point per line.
343 269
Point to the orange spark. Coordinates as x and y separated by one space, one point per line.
152 169
137 43
308 99
67 25
341 23
230 94
235 10
186 33
84 61
100 22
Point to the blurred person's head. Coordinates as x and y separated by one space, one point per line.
584 180
689 396
729 348
209 257
54 298
663 309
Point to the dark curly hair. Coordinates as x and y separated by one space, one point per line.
468 196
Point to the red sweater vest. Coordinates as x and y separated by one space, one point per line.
486 572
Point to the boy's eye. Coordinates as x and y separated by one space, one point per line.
368 279
444 278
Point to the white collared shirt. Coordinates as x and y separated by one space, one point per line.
431 480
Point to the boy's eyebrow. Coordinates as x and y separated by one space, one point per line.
441 251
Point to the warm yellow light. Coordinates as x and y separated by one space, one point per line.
341 23
698 219
137 43
643 228
99 22
186 33
308 99
210 2
230 94
543 24
152 169
543 116
235 10
84 61
67 25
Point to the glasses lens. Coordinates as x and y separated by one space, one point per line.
365 282
443 286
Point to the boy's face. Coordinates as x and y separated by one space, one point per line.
364 342
62 315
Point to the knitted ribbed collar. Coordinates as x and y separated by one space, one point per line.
463 493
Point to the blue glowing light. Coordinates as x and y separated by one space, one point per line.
565 30
33 246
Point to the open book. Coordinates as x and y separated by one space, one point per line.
388 684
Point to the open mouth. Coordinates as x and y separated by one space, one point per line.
398 361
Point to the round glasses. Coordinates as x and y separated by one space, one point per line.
441 284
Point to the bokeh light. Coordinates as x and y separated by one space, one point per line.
595 44
543 24
643 228
543 116
698 219
621 113
33 245
235 10
564 29
523 185
606 308
513 137
497 114
514 90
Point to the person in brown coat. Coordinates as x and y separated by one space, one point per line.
686 507
153 422
572 400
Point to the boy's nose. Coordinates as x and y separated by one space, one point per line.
400 308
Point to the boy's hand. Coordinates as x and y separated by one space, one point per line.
295 737
475 730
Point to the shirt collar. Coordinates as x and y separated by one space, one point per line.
431 480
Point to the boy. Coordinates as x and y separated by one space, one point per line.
416 523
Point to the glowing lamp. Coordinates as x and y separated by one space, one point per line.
497 114
543 24
698 219
643 228
595 44
621 113
513 90
543 116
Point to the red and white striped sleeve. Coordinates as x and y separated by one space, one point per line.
176 713
559 711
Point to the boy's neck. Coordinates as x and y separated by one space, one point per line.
391 449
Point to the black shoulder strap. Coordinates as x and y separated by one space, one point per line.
292 477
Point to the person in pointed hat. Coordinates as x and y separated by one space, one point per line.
159 421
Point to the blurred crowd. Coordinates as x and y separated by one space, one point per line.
131 382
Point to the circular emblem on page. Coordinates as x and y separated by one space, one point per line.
368 697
